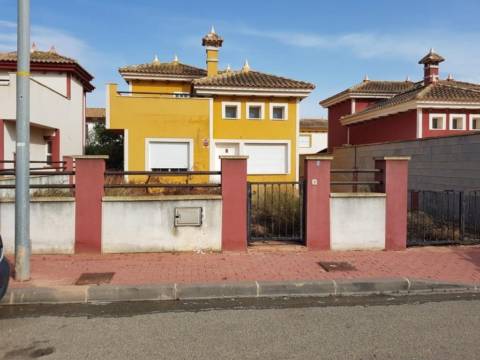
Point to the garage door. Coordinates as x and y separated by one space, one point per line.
266 158
169 156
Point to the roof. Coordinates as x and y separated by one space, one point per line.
251 79
370 88
446 91
168 69
313 125
431 58
95 114
49 61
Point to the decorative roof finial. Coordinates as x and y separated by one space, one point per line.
52 49
155 59
212 30
450 77
175 59
246 66
408 78
366 78
431 50
34 47
212 39
228 68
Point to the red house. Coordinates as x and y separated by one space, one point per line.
380 111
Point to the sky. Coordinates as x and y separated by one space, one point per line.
332 44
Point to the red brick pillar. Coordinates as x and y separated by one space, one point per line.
2 144
394 178
317 202
56 148
234 203
89 182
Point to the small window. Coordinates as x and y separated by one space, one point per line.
457 122
181 95
254 111
304 141
437 121
278 111
475 122
231 110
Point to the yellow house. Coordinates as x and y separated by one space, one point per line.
178 117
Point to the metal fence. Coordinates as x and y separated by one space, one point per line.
443 217
275 211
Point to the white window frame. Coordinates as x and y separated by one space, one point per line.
430 121
262 110
309 140
164 140
472 117
285 111
464 122
232 103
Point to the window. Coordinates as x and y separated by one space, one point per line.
49 152
437 121
457 121
305 141
231 110
474 122
255 111
169 155
267 158
278 111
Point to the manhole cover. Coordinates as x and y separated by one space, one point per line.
336 266
95 278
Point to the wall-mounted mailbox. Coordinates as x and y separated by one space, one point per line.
188 216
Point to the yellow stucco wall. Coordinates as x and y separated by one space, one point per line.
169 87
265 129
160 117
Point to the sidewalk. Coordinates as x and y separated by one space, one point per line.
450 264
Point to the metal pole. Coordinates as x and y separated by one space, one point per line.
22 179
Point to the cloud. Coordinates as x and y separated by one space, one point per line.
460 49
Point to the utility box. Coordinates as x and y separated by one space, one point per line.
188 216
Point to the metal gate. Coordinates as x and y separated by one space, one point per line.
443 217
275 211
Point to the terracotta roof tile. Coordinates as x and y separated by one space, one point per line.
159 68
39 57
313 125
95 113
251 79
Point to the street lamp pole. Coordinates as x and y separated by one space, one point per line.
22 158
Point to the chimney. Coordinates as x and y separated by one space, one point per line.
430 67
212 43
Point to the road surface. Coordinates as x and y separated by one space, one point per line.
434 327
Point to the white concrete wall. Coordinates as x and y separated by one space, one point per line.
146 224
319 142
52 225
357 221
49 107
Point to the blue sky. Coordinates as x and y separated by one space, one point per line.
332 44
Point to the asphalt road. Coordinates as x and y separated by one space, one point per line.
435 327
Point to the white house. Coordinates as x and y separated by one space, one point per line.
313 136
58 87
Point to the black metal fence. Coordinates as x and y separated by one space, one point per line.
275 211
443 217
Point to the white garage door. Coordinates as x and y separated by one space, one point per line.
266 158
169 156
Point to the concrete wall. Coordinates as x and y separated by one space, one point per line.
146 224
57 179
357 221
446 163
52 225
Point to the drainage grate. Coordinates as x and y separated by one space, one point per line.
330 266
95 278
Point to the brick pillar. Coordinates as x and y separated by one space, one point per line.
394 177
317 202
89 182
68 165
234 203
56 147
2 144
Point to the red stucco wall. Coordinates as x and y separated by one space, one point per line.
337 134
402 126
362 104
432 133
